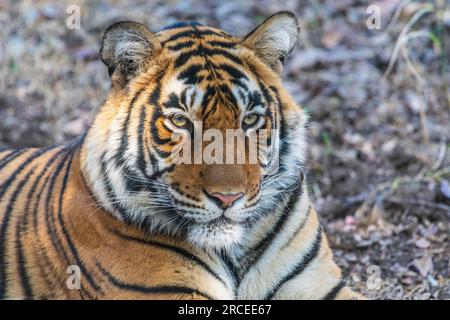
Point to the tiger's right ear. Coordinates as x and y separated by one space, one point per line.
127 48
274 39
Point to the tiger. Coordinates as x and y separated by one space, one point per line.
113 215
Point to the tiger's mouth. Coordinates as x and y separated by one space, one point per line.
218 222
217 234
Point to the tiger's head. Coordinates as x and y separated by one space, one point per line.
171 148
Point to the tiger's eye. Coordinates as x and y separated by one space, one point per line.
251 119
179 120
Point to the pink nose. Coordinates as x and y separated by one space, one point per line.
226 200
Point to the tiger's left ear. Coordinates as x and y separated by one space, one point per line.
127 49
274 39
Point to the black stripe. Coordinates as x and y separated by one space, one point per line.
141 163
225 54
188 33
21 262
5 185
334 292
180 251
15 154
298 230
258 251
300 266
49 209
49 206
151 156
232 268
151 290
185 204
53 280
4 188
35 185
181 45
222 44
69 154
156 93
154 100
49 218
159 173
110 193
124 141
42 258
6 154
265 91
42 189
262 86
65 233
194 32
201 51
23 227
212 108
190 73
233 71
227 98
4 230
158 140
174 102
285 146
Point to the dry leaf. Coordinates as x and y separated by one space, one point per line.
424 265
422 243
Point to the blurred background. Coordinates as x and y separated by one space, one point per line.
373 75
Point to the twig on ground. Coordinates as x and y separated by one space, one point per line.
400 41
418 202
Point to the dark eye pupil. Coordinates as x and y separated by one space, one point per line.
251 119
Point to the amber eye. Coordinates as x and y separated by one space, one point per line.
251 119
179 120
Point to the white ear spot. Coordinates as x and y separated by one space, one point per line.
132 52
279 39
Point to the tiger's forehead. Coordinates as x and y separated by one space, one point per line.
203 53
206 65
193 32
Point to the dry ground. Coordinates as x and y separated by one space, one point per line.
379 132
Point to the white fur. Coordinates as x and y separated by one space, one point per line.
223 236
275 38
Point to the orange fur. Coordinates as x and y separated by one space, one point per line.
53 216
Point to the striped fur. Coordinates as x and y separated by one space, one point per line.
138 226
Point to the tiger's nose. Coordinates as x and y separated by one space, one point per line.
225 200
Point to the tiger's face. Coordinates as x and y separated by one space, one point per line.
197 136
215 193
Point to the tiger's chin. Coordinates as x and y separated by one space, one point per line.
217 235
